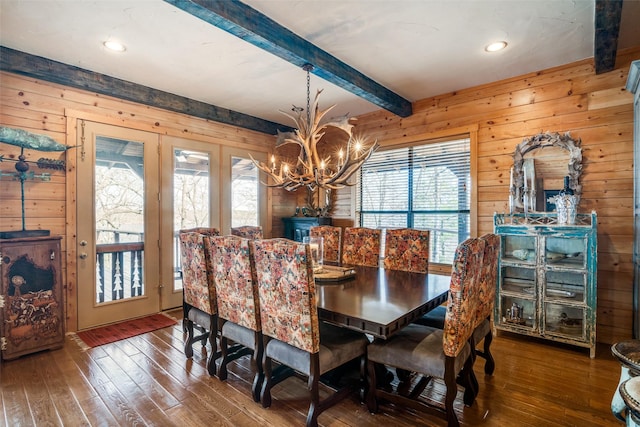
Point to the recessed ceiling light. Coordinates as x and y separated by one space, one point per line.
494 47
114 46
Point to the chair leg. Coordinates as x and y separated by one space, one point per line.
490 364
188 346
469 382
213 335
452 390
265 394
256 365
224 354
313 386
372 401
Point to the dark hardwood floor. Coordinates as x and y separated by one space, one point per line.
146 380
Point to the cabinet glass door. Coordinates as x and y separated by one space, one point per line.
565 286
520 249
565 252
518 312
564 320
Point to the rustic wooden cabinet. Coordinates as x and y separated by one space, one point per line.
295 228
31 287
547 277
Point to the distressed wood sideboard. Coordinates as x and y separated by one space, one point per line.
31 287
547 277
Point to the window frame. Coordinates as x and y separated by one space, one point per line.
470 133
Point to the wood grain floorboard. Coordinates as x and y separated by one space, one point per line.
147 381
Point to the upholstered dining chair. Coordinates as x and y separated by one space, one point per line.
332 240
248 231
407 249
238 306
199 293
432 352
488 280
482 331
293 335
361 246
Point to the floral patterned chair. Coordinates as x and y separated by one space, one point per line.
293 335
247 231
432 352
361 246
238 306
332 241
488 280
199 300
407 249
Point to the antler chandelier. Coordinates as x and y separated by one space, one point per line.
311 170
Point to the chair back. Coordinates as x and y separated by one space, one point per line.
247 231
234 277
287 292
463 301
332 240
361 246
488 277
407 249
199 289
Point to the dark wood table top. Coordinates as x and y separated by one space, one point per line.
378 301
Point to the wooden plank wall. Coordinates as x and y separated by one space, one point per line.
571 98
595 108
44 108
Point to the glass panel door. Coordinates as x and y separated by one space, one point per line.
189 199
244 192
117 214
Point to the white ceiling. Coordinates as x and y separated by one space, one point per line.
415 48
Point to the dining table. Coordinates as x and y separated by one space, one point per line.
379 301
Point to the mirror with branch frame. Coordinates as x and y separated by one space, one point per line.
548 158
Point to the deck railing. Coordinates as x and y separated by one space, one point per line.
119 265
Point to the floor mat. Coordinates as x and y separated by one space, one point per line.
123 330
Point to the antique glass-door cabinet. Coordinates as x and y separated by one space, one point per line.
547 277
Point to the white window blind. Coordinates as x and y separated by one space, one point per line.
424 186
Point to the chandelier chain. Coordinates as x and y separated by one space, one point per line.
308 95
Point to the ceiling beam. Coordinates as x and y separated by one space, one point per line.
607 27
251 26
22 63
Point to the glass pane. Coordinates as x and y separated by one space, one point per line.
447 230
565 286
424 187
385 190
518 312
190 199
565 320
521 249
119 214
519 279
244 192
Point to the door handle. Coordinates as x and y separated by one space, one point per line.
83 255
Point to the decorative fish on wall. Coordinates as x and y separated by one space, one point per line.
25 139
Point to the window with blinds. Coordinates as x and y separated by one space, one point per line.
423 186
